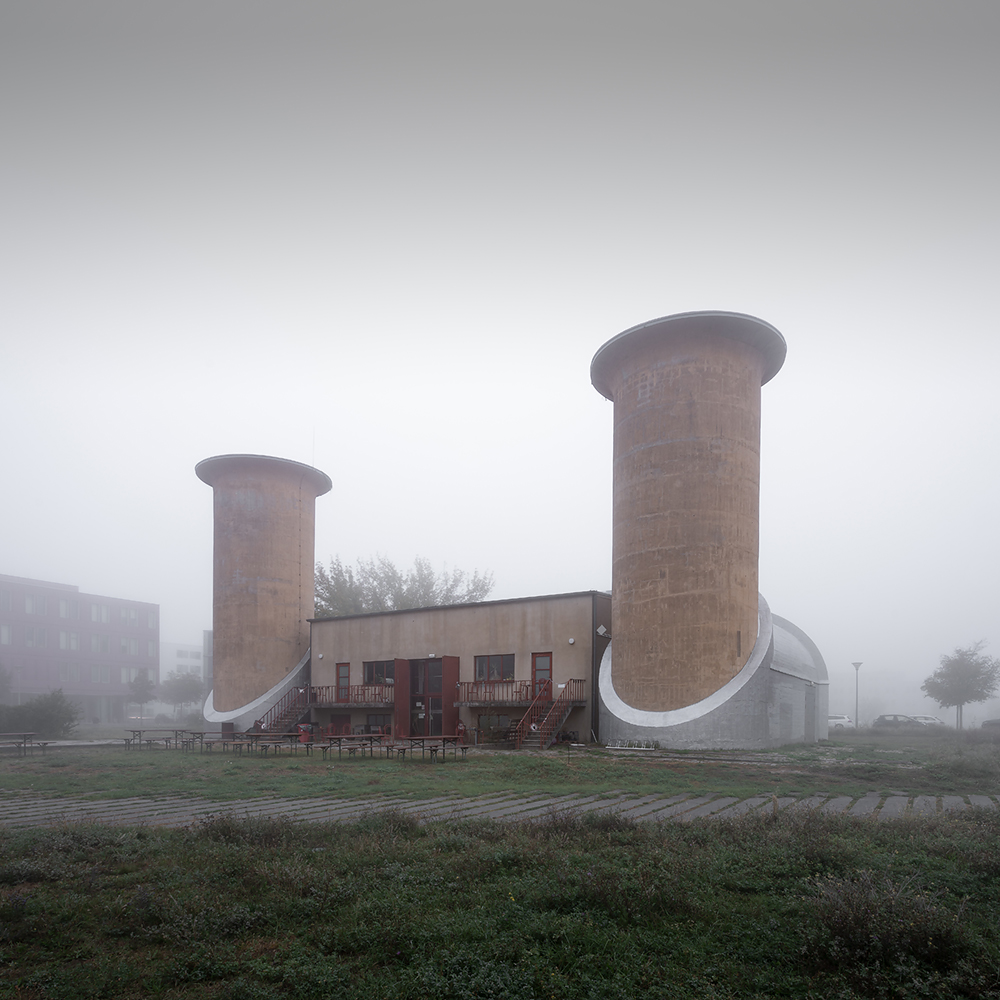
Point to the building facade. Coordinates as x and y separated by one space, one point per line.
477 668
53 636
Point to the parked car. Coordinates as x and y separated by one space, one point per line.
929 720
991 723
840 722
896 722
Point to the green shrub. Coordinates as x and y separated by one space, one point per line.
50 716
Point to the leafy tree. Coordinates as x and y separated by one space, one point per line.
51 716
181 689
966 676
141 689
377 585
6 685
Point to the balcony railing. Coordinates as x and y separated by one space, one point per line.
494 693
353 694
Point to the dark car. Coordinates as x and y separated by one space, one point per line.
896 722
991 724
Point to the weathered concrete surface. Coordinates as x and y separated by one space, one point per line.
263 570
686 391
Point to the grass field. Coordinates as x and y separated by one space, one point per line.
764 906
933 764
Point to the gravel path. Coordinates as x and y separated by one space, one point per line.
27 809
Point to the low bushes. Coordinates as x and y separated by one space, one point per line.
584 908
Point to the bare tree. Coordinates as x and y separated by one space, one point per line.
377 585
966 676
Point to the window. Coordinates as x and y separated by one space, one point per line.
34 605
182 654
151 648
380 671
68 609
100 643
69 672
133 647
34 637
151 619
95 674
100 613
130 617
4 635
68 640
379 722
495 667
4 600
195 656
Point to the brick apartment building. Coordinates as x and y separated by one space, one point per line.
52 636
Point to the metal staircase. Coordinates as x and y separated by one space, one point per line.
284 714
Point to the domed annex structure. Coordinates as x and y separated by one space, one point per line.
696 657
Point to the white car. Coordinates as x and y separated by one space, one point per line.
840 722
928 720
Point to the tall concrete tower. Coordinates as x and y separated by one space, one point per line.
263 571
686 390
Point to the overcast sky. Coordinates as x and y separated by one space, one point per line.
387 238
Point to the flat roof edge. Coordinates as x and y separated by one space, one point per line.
470 604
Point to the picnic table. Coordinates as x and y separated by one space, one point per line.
140 736
22 742
435 745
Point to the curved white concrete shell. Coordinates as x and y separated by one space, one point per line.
780 696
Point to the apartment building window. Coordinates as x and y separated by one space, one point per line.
4 600
34 605
495 667
380 671
34 637
151 619
4 635
100 613
69 672
130 617
69 640
100 643
151 648
68 609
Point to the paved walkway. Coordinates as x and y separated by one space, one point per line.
27 809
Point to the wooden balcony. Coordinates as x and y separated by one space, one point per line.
512 694
353 695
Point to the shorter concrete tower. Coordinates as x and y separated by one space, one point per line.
263 574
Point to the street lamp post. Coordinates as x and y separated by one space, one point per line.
857 674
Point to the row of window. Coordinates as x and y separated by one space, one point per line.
494 667
38 604
183 654
35 637
72 673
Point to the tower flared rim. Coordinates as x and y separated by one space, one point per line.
737 326
209 470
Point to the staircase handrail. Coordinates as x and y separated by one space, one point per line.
541 703
574 690
292 698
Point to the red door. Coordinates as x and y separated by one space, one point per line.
449 676
343 682
541 673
